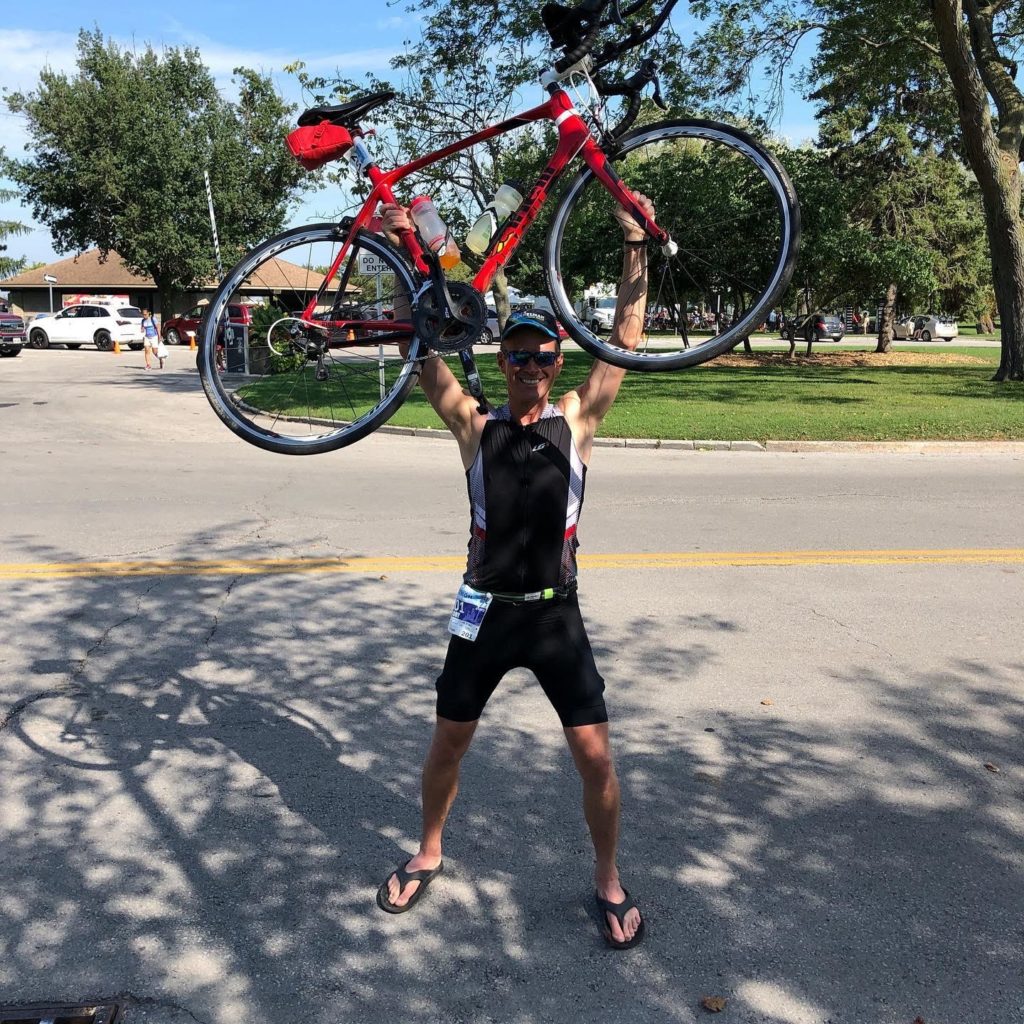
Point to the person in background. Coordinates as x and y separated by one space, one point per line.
152 337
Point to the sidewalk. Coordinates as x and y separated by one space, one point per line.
923 447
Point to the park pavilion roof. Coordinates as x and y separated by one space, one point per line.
87 270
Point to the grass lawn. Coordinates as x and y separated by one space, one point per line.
912 394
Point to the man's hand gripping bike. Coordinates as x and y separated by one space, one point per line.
342 319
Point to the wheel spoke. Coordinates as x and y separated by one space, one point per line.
729 209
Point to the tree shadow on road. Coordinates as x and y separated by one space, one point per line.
206 778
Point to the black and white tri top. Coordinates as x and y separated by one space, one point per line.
525 493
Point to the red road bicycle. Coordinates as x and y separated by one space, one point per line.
343 319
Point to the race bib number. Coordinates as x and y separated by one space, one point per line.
470 608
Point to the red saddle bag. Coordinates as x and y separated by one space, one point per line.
318 144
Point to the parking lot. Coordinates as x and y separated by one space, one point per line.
217 687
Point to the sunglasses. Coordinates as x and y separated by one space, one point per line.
520 357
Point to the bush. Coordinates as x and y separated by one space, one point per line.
263 359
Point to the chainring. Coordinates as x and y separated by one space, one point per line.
449 335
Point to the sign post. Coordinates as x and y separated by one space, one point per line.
213 223
50 282
373 266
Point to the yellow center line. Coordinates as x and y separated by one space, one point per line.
383 565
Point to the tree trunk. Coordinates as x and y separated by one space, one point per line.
1006 238
168 295
976 71
885 322
500 289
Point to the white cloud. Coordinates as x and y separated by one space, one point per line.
25 52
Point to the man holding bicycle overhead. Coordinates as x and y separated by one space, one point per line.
526 465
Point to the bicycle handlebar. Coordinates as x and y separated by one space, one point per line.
576 29
576 55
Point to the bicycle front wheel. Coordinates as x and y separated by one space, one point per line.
300 361
730 209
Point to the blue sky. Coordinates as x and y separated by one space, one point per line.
354 37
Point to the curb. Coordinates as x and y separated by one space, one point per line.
910 447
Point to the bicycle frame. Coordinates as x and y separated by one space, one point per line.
574 138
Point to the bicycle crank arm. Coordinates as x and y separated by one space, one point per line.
472 375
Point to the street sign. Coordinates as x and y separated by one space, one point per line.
371 264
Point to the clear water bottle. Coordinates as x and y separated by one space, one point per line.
505 202
434 231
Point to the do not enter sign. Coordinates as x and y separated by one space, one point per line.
372 265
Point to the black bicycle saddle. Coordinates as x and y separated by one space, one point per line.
345 114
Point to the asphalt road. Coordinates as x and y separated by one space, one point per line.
208 765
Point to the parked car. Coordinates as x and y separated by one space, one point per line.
929 328
492 332
89 324
903 328
12 334
812 327
176 329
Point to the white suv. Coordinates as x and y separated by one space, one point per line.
89 324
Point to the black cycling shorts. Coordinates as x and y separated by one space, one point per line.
546 637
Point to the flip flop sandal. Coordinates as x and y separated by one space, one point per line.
404 878
619 910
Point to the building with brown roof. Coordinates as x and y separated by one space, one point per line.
84 275
29 292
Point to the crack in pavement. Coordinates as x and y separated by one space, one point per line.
220 608
70 687
856 636
129 999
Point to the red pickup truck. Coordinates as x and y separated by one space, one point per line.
176 330
12 334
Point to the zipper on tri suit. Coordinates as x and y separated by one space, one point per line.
526 434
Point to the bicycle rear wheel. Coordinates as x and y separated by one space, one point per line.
731 210
314 363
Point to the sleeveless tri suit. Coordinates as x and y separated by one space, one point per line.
525 491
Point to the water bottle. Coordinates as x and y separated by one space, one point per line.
505 202
434 231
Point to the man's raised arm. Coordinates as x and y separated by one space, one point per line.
598 391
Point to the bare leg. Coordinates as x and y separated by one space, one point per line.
591 750
440 784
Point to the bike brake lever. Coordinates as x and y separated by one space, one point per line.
657 97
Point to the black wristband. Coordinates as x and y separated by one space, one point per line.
642 244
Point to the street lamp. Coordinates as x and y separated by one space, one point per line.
50 281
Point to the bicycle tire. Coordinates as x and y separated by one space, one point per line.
677 159
265 409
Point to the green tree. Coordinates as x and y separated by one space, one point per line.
9 265
932 67
118 152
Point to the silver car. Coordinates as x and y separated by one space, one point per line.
935 328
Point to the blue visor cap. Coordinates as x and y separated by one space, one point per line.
536 319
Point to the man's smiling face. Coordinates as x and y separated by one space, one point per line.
526 380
